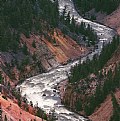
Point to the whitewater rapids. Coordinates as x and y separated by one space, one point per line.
40 89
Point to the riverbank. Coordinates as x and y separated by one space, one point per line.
40 89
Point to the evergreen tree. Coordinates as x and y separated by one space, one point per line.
1 78
33 44
78 105
25 51
107 6
24 17
116 109
5 119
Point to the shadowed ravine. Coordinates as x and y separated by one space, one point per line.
40 89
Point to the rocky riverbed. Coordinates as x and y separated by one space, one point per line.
41 89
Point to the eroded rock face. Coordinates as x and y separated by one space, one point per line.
13 70
52 54
14 112
41 51
35 87
104 112
47 55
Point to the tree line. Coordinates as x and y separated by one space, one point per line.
111 82
111 79
107 6
89 35
18 16
82 70
30 16
116 109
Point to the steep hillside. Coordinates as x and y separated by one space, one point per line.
34 39
34 44
94 9
14 112
90 93
89 85
57 49
105 111
44 56
31 42
113 20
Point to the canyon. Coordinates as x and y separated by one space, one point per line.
41 89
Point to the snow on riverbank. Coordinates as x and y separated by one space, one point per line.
40 89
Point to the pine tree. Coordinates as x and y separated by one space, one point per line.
67 19
116 109
78 105
5 119
33 44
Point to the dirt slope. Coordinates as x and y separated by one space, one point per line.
14 112
113 20
54 53
65 48
50 50
105 111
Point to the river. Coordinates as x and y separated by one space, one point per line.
40 89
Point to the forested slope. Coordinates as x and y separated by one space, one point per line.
32 41
26 17
107 6
92 81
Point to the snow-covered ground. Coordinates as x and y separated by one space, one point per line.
40 89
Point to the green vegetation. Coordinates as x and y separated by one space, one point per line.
107 6
24 49
31 16
24 62
33 44
5 119
110 84
111 80
89 36
40 113
116 109
78 105
1 79
18 16
81 71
